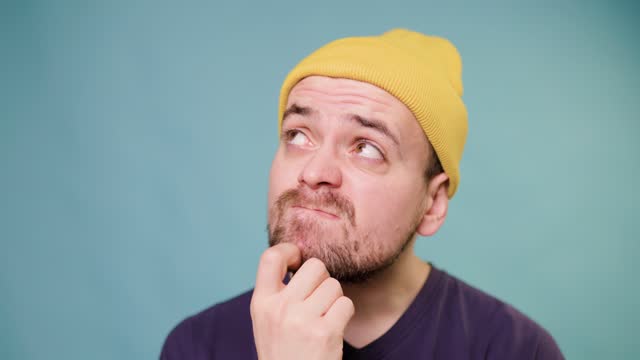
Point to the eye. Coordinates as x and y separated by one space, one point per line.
369 151
295 137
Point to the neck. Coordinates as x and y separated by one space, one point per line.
382 300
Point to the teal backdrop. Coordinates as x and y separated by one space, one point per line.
136 138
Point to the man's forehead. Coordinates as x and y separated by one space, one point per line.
347 95
323 85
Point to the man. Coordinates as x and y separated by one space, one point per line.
372 132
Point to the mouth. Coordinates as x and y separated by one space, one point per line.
319 212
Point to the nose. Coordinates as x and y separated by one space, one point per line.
322 169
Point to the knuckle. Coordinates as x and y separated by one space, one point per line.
321 332
256 307
348 304
334 285
271 257
317 265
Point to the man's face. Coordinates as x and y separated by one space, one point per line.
346 183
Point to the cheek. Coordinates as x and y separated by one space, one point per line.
388 209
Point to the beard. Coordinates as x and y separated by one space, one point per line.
348 257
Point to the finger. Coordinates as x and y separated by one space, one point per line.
274 263
340 312
311 274
319 302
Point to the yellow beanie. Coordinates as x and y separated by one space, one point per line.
424 72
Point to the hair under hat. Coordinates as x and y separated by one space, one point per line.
424 72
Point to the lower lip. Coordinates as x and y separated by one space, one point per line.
318 212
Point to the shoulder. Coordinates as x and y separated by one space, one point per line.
496 328
199 336
514 335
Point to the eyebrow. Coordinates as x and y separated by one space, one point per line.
374 124
296 109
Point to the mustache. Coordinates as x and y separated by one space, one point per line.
336 203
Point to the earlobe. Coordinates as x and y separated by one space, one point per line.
437 205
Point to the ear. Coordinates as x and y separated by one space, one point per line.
437 204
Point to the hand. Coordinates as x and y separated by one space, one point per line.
304 319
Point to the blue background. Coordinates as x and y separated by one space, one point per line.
136 139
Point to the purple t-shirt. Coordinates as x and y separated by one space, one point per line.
448 319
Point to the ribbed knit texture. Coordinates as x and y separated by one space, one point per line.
424 72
